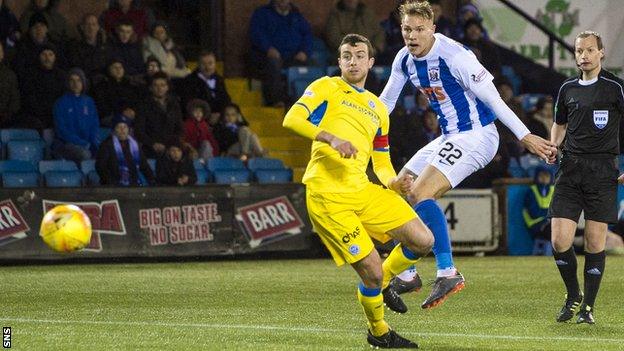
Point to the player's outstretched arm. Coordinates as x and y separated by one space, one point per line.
541 147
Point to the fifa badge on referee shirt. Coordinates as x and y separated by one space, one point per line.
601 118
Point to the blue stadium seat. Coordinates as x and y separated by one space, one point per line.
257 163
232 176
56 165
300 77
104 133
87 166
621 162
224 164
269 170
7 135
274 175
88 169
26 150
20 179
382 72
63 179
16 166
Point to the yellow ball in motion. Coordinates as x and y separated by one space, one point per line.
65 228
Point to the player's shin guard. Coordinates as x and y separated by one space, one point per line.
372 302
594 269
566 262
398 260
432 215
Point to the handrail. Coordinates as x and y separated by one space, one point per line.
552 37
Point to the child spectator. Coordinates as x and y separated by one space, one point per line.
76 121
120 161
197 132
235 137
175 168
160 45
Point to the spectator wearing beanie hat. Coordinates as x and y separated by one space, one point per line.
57 24
197 132
120 161
175 168
40 87
76 121
28 49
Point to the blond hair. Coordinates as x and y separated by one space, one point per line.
418 8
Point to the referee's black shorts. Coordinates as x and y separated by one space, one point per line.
586 184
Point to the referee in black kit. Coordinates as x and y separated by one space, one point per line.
587 116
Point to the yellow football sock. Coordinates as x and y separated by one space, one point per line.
399 260
374 309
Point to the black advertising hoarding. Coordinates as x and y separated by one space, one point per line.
162 222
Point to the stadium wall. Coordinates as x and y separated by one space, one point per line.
212 220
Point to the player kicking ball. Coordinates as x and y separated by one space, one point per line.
349 127
461 92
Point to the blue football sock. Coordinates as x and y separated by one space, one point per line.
432 215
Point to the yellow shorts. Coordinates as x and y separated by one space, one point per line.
346 222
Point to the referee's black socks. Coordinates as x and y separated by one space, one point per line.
566 262
594 269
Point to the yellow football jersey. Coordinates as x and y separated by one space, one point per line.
351 114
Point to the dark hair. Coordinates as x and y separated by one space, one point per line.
542 102
152 58
124 22
159 75
238 110
354 39
204 53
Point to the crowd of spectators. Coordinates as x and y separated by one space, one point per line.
122 71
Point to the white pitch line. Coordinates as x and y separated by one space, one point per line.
305 329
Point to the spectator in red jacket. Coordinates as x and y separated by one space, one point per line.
141 18
197 132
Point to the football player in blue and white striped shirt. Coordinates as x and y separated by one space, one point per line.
461 92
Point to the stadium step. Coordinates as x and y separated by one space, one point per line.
294 143
261 113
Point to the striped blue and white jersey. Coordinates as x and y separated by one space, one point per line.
447 75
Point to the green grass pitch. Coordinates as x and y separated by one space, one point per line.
508 304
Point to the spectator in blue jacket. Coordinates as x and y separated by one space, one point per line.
76 121
280 37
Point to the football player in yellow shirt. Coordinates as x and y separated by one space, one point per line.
349 126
